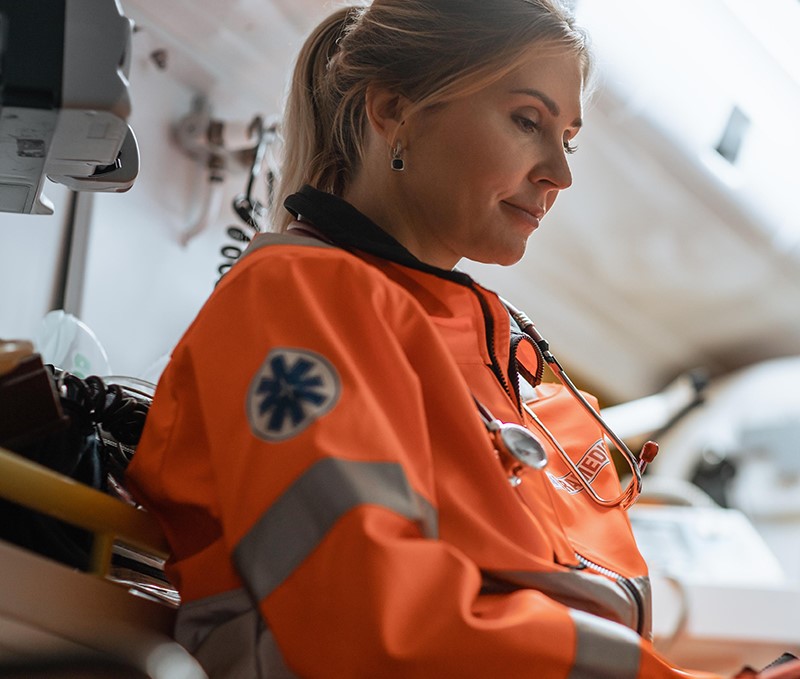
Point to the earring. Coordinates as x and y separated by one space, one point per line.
398 164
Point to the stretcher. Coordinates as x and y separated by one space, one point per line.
53 617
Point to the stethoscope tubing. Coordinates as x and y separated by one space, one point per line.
636 464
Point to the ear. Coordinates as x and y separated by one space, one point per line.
386 112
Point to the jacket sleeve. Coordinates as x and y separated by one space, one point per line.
311 430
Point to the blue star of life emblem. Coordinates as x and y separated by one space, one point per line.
292 388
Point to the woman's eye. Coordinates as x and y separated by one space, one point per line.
568 147
526 124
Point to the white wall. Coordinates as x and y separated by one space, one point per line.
30 257
143 287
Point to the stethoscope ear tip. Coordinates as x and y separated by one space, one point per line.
646 456
649 452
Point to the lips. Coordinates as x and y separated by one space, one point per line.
532 213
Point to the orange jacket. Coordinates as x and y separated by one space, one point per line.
333 500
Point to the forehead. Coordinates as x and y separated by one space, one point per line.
551 70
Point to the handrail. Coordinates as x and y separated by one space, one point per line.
44 490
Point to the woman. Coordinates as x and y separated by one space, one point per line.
319 452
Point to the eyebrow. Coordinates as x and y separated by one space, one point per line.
551 106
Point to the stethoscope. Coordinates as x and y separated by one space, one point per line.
520 450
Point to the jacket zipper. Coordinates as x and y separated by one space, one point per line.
515 367
495 364
622 581
583 562
535 379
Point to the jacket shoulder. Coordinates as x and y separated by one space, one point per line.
273 255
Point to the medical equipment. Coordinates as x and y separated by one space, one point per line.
64 100
517 447
720 597
218 146
519 444
249 209
54 614
741 447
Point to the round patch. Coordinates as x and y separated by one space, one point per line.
293 388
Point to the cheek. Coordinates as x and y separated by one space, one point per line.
473 168
483 173
459 172
492 151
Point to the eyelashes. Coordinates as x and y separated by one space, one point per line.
526 124
529 126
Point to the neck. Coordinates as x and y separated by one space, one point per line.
378 195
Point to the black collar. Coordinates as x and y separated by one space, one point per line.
348 228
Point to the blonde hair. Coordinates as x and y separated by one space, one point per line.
430 51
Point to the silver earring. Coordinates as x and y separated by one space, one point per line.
398 164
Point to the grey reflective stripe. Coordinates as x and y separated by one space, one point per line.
264 240
645 590
588 592
197 618
604 649
299 520
229 638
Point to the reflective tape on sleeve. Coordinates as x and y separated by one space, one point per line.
581 590
604 649
301 518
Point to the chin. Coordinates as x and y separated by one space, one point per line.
509 261
502 256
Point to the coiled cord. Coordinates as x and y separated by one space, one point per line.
105 412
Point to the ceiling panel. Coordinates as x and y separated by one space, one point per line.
661 257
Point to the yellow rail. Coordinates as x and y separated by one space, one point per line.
43 490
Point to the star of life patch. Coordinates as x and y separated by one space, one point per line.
292 389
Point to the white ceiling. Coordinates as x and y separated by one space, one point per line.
662 257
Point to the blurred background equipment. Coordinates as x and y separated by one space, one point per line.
64 100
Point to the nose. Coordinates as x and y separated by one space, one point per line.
562 176
553 170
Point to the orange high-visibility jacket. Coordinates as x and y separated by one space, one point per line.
333 500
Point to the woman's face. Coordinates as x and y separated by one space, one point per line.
483 170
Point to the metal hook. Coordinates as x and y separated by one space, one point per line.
252 211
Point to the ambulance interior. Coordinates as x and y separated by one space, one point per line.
666 279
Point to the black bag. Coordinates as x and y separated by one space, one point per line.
85 429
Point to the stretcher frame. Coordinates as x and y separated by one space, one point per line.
49 609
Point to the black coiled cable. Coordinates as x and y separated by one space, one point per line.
251 211
104 425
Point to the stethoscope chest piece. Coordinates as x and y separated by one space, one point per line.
519 451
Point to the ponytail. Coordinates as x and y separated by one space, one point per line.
309 155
